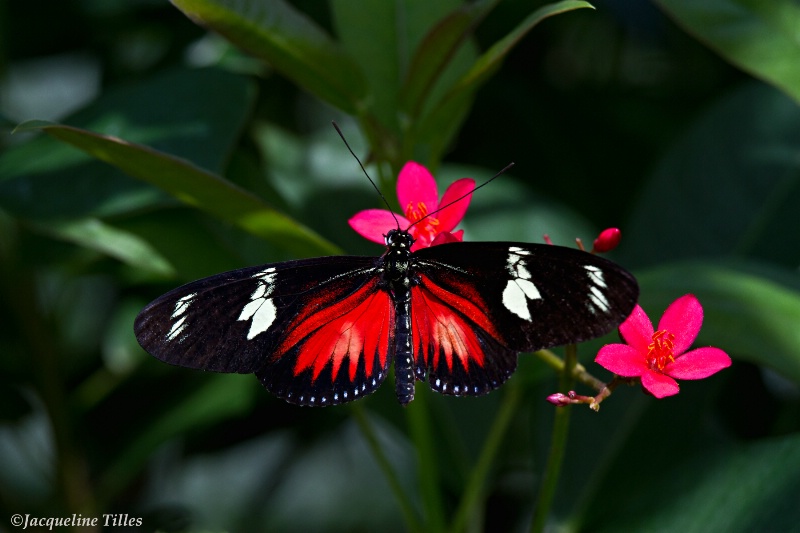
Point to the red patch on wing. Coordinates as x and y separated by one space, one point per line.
359 324
444 324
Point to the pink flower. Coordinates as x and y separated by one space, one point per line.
419 196
660 357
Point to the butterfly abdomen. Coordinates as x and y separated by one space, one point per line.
403 349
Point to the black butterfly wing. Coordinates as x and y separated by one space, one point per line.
476 305
315 332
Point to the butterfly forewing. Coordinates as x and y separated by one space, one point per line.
296 324
528 296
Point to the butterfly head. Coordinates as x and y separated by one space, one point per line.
399 240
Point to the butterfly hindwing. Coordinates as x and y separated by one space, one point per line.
491 300
456 344
336 350
301 326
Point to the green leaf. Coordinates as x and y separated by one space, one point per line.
760 37
196 187
191 243
296 47
731 186
97 235
437 127
381 36
749 487
490 60
748 315
195 114
436 51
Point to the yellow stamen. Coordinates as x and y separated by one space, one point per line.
428 228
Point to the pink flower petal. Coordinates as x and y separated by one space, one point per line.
446 237
660 385
698 364
622 360
451 216
683 318
416 185
373 224
420 242
637 330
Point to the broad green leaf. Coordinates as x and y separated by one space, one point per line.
320 180
285 38
734 489
490 60
370 33
196 187
730 187
195 114
750 316
760 37
191 243
438 126
435 52
382 36
100 236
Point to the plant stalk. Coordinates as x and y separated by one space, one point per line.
558 443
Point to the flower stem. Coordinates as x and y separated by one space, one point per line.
558 444
477 478
578 372
367 429
421 434
606 391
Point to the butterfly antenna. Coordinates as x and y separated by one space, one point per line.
339 131
448 204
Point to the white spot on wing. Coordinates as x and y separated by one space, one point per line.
260 291
179 315
262 318
599 299
176 328
260 310
519 289
596 276
182 305
597 290
516 296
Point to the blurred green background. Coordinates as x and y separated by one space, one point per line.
677 122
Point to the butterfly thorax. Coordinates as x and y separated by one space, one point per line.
397 260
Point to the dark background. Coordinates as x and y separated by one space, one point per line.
614 117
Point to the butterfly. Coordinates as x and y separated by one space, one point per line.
325 331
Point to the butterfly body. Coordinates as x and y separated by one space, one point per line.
324 331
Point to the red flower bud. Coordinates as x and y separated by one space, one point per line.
607 240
